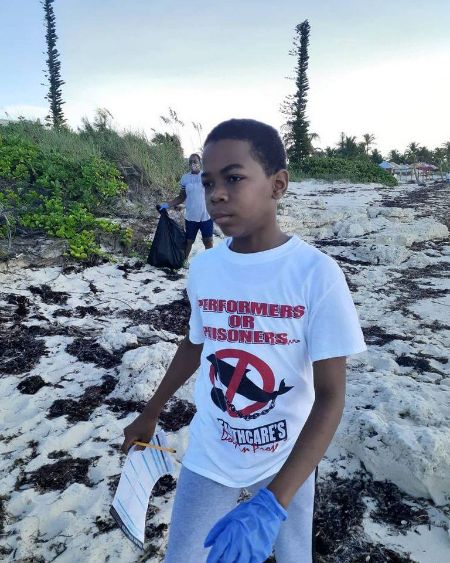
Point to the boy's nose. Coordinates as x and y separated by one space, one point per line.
218 193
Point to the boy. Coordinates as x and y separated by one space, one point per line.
272 321
193 193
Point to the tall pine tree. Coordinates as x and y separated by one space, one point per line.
296 137
53 74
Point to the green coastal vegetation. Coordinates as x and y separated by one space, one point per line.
67 184
70 184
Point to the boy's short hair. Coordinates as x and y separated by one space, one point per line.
196 155
265 142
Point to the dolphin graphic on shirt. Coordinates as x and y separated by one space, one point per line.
224 372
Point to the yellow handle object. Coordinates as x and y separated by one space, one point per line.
147 445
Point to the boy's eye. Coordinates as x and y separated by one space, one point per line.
232 179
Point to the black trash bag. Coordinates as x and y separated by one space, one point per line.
168 249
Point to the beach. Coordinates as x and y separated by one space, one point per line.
83 348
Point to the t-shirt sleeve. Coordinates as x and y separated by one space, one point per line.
183 182
333 326
196 335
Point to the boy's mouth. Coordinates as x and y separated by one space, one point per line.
221 217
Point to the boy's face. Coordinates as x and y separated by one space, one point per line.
240 197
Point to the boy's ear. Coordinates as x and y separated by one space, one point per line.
280 184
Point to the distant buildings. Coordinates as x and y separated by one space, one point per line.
421 170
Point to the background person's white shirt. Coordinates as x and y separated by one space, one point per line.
195 197
267 316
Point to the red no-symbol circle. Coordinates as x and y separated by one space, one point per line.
245 360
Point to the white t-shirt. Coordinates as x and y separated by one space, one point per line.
195 197
264 318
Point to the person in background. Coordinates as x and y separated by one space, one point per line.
192 194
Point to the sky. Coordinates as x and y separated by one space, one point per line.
375 67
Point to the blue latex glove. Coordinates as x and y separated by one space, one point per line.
248 532
162 206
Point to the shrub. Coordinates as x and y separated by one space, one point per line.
63 140
336 168
159 161
58 193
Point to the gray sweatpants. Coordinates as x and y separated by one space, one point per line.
200 502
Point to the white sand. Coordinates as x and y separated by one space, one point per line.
396 420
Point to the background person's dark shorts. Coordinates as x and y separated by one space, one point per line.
205 227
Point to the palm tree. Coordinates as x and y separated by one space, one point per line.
313 137
446 147
424 154
350 146
411 151
347 146
395 156
376 156
369 139
440 156
411 158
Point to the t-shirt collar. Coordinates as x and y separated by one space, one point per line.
259 257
